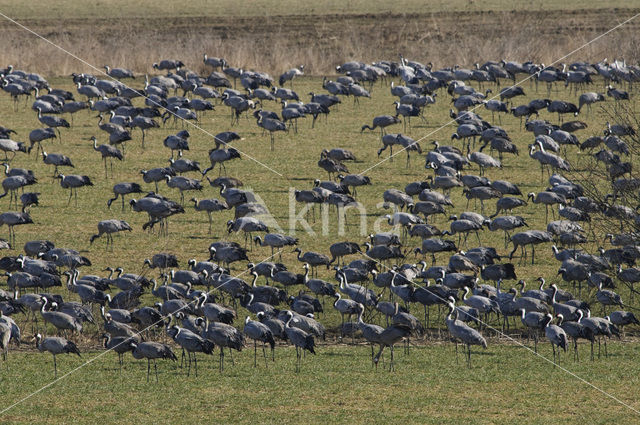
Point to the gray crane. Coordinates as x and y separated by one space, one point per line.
220 156
607 297
545 158
342 249
258 331
61 321
464 227
54 122
507 223
356 292
73 182
529 237
314 259
381 121
248 225
215 62
317 286
209 206
12 184
623 318
120 344
57 160
8 145
271 125
534 322
117 328
5 336
388 338
556 336
192 343
121 189
109 227
30 198
617 94
155 175
480 303
290 75
331 166
158 210
151 350
107 151
600 327
345 307
460 331
434 245
228 255
576 330
183 184
370 332
508 203
162 261
299 338
224 336
38 135
56 345
484 161
569 312
143 123
12 219
529 303
119 73
275 241
354 180
184 165
178 142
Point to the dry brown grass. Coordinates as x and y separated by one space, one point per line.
275 43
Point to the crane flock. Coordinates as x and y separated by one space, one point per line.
460 278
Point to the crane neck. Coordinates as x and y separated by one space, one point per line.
360 313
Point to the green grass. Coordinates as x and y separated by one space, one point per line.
337 385
505 385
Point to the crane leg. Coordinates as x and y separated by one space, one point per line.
155 368
255 354
55 366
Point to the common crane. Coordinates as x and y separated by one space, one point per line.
109 227
56 345
73 182
460 331
151 350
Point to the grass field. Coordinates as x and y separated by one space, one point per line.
506 383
